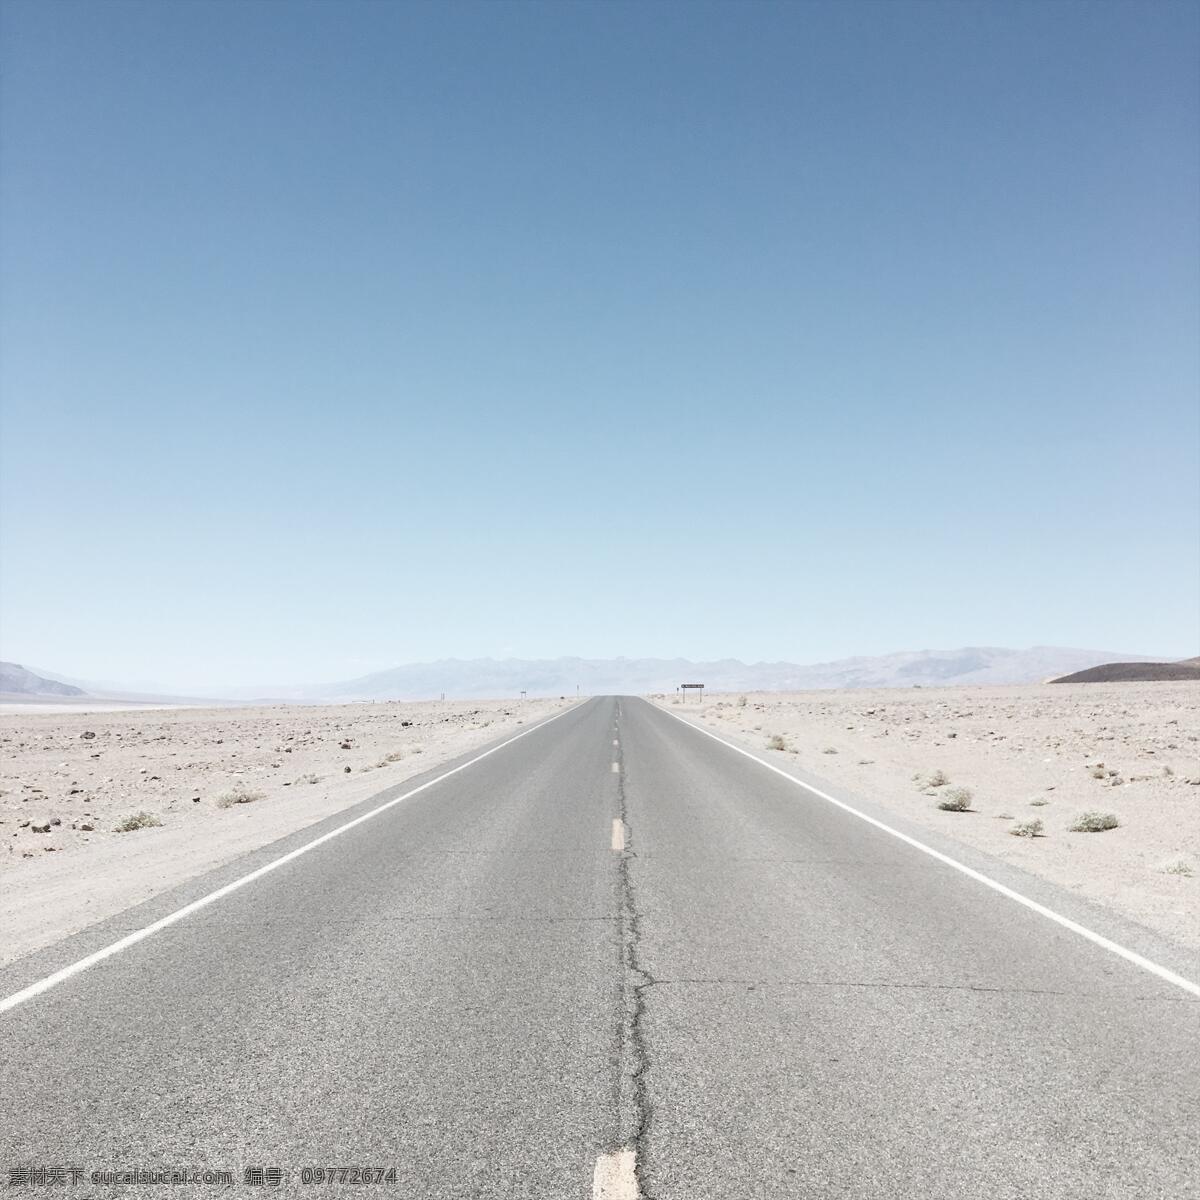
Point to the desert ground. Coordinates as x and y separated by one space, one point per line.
215 783
1047 753
199 787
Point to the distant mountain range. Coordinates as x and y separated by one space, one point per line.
15 680
479 678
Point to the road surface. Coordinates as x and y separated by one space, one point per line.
611 955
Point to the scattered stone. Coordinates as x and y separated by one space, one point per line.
88 734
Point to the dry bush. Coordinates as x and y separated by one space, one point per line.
1028 829
1094 822
935 779
956 800
1178 866
141 820
239 794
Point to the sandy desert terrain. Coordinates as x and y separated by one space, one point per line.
1044 752
211 783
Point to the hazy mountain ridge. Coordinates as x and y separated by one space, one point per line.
16 680
488 678
561 676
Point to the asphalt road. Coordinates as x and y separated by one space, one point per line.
757 994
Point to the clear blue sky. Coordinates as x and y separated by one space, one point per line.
341 335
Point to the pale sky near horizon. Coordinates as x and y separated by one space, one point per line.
340 335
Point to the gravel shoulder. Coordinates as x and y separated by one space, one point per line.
1047 753
204 785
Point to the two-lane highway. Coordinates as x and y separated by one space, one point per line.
610 954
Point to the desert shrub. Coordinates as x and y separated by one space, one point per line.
1178 866
141 820
935 779
1029 829
1097 771
389 759
741 702
1094 822
776 742
1039 803
829 750
956 800
238 794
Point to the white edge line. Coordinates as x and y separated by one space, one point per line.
132 939
1112 947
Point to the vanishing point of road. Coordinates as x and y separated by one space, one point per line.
612 957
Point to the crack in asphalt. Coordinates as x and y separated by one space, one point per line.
634 1111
